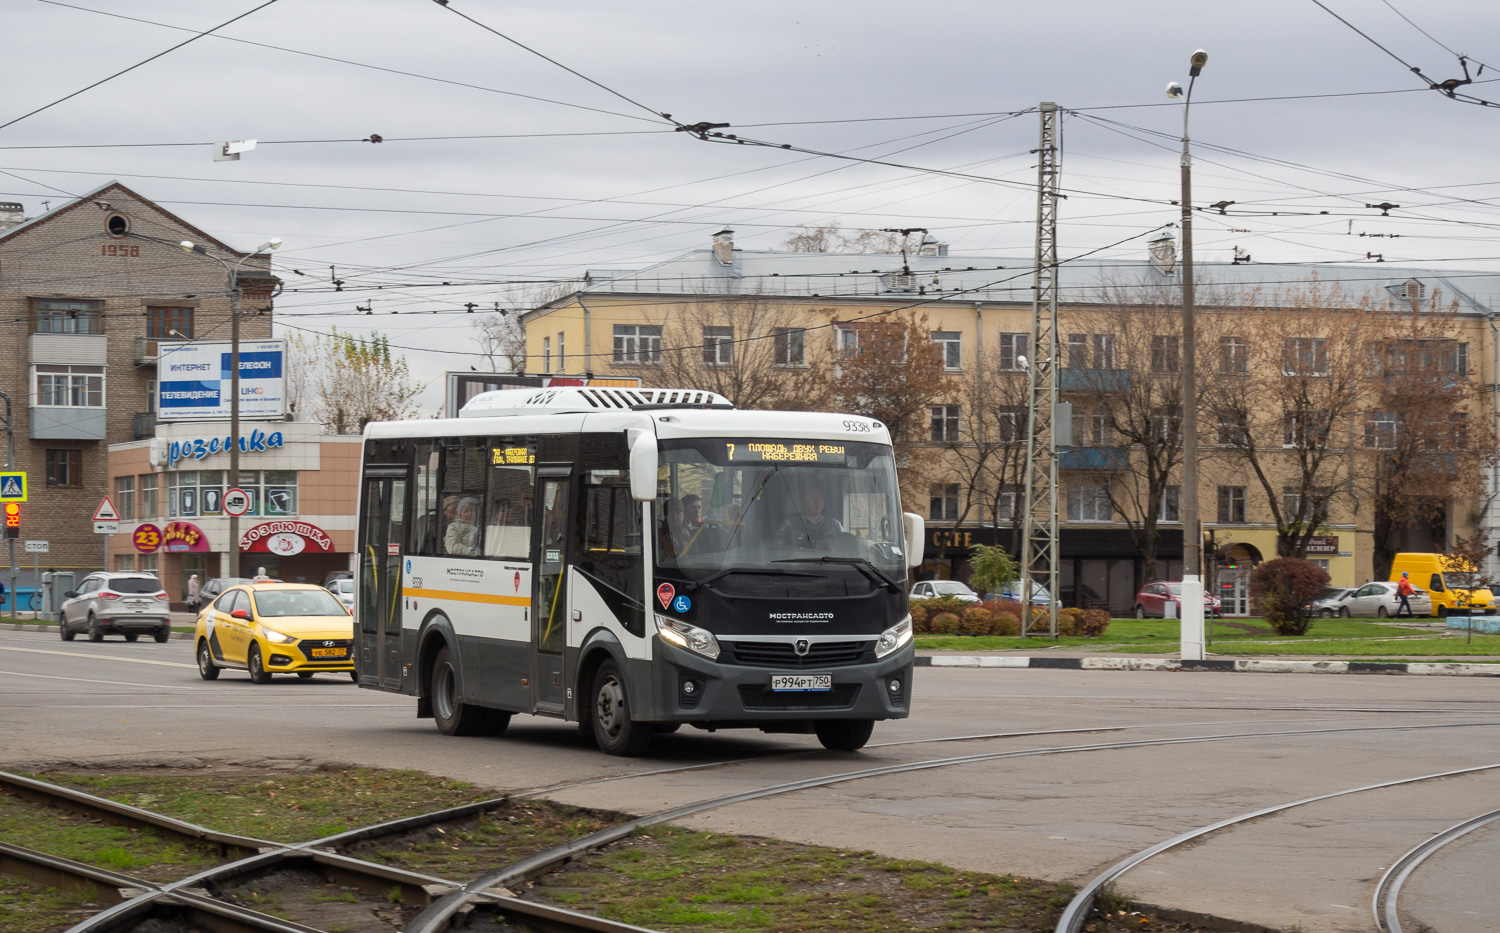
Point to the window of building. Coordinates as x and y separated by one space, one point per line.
125 563
192 493
944 502
945 424
1319 562
169 323
1380 429
1291 504
64 468
149 563
1231 430
1104 351
1078 351
846 339
1101 345
1234 355
1308 430
790 346
1166 424
1089 503
718 346
1442 356
562 353
1166 353
1009 500
1011 424
1304 356
125 497
60 386
148 497
210 492
637 343
1013 349
182 494
547 351
950 346
1231 505
55 316
1170 509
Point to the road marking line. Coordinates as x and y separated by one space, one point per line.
85 680
99 657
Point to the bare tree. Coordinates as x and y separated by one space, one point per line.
984 444
351 381
830 238
751 349
502 340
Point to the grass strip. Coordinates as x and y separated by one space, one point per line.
30 908
100 844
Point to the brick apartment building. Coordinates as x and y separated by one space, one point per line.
86 290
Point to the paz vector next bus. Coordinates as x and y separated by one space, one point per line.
635 560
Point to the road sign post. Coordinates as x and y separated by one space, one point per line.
106 522
36 549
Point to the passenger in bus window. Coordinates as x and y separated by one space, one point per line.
462 537
811 526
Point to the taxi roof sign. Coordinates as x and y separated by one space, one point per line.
13 487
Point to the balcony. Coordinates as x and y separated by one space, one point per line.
145 424
145 351
70 349
1093 380
1094 459
67 424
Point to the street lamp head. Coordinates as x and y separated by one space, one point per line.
272 244
1199 59
188 246
1174 90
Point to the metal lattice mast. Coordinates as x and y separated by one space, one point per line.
1039 543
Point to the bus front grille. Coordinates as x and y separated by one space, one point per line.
782 654
842 696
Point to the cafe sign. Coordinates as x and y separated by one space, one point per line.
285 539
182 537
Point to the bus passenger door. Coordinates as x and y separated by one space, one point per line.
379 591
549 601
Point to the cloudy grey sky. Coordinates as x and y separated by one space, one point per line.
1295 114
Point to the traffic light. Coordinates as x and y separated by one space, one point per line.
13 519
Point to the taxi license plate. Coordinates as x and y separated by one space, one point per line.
801 683
328 652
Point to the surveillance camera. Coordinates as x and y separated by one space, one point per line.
1174 89
1022 362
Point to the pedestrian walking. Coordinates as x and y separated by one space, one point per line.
193 590
1404 592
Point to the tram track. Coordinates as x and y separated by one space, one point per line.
444 898
1076 913
1386 901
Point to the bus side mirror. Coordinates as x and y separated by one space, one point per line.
643 467
914 530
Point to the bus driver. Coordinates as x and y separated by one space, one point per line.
810 527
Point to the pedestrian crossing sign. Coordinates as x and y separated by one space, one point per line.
12 487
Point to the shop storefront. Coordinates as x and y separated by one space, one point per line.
295 496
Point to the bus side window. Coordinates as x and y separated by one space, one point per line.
507 531
463 500
426 517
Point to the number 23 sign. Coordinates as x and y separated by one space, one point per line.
147 538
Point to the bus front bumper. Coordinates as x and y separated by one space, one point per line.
689 688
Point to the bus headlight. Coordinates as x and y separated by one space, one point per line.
893 638
691 637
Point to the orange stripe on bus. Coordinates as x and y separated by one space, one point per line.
469 597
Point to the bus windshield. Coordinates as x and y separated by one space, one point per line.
794 508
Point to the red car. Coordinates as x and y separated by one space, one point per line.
1153 598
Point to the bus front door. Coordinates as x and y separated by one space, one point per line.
549 602
379 589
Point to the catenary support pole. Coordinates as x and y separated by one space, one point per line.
1192 533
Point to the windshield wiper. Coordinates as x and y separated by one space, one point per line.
694 584
863 565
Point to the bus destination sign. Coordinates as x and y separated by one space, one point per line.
769 451
511 456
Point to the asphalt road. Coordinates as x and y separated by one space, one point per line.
1063 816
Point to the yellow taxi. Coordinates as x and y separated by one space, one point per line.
275 628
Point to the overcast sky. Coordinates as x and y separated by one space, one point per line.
575 177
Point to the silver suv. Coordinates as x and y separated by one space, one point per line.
126 604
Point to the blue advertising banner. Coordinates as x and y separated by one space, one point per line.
195 380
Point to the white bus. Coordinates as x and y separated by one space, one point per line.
634 560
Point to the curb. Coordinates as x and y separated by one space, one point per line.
1218 664
24 627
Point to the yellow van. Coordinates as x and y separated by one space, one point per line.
1451 588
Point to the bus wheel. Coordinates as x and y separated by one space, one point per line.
452 715
844 735
614 730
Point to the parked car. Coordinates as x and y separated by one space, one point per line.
329 578
1330 602
1152 600
1039 594
936 589
213 586
1379 600
275 628
343 588
129 604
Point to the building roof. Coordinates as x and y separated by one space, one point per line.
940 279
93 196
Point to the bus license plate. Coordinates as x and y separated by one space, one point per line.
801 683
328 652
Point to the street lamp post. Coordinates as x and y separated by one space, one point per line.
1192 534
234 378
